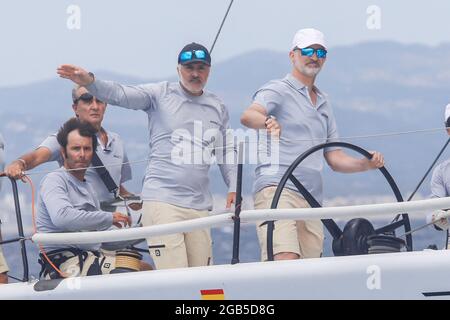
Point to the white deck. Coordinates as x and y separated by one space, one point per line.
405 275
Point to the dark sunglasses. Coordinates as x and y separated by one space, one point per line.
86 98
189 55
309 52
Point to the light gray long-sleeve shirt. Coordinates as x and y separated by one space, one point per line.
67 204
185 133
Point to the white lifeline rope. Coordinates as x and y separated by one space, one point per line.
371 210
248 142
132 233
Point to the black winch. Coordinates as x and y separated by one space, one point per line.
359 237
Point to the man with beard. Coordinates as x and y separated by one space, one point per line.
184 120
67 203
298 116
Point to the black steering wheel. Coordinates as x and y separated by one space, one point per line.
356 227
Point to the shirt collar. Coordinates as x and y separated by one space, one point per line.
295 82
299 86
71 178
109 143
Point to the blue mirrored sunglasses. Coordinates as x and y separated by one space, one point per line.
188 55
309 52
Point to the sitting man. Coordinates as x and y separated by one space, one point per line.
67 203
3 266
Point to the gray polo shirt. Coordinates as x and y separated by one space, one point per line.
440 180
185 132
113 156
288 100
67 204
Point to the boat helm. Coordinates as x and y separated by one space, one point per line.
358 235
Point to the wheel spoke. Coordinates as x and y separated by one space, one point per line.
331 226
390 227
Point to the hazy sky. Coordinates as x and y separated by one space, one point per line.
143 37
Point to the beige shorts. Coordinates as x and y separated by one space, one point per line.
181 250
304 238
3 265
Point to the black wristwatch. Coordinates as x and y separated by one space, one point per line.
268 118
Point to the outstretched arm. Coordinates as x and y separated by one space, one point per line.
27 162
130 97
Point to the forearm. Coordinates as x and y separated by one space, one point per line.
35 159
72 219
229 174
124 192
65 216
227 159
130 97
30 160
341 162
255 119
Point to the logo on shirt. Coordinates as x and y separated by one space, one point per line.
205 146
215 122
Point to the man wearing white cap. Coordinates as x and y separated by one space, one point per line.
297 112
440 184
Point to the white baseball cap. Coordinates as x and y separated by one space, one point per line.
447 112
307 37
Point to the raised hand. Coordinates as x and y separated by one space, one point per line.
76 74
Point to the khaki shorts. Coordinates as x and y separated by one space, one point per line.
304 238
3 265
181 250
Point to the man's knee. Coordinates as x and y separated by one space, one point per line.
145 266
3 278
286 256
